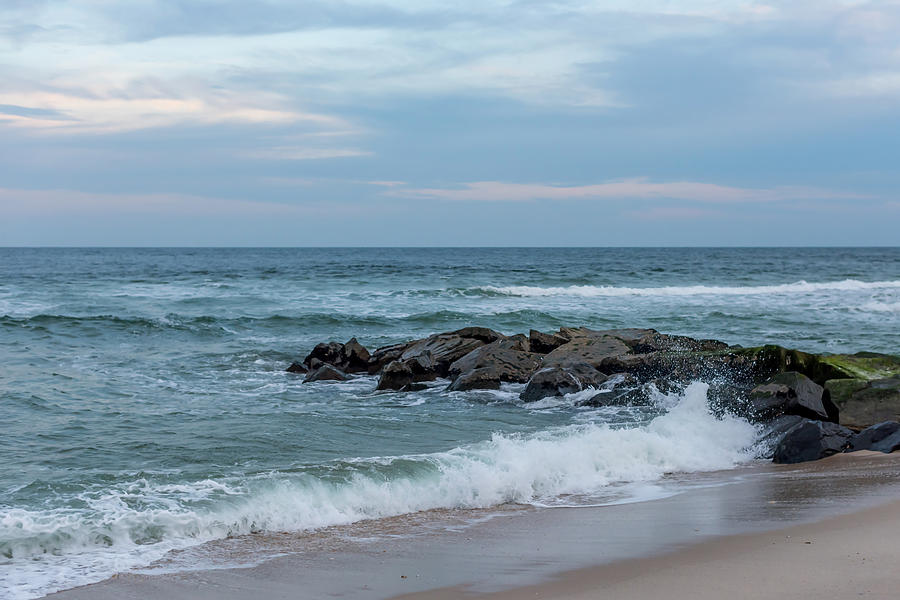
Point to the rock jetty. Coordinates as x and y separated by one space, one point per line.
809 406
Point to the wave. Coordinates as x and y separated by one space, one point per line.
881 307
129 525
591 291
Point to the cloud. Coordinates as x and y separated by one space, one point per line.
111 110
301 153
496 191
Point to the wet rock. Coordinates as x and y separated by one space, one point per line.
384 355
326 352
401 373
326 373
559 381
811 440
774 432
586 349
542 343
792 393
868 403
351 357
653 341
641 395
477 379
509 359
296 367
354 358
883 437
447 348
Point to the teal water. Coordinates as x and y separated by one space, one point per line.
146 407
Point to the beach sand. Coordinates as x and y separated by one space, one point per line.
827 529
849 556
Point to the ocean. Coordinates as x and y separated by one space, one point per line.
146 407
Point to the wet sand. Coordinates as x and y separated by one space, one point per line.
734 534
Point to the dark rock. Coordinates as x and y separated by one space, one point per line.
447 348
478 379
559 381
873 402
354 358
878 437
889 444
792 393
811 440
326 373
774 432
641 395
542 343
509 359
842 390
400 373
382 356
296 368
653 341
482 334
329 353
351 357
586 349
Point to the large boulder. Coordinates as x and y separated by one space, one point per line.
447 348
326 373
811 440
542 343
586 349
792 393
380 357
296 367
509 359
559 381
351 357
477 379
327 352
883 437
865 403
633 394
399 374
773 432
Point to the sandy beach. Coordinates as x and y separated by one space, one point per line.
848 556
820 530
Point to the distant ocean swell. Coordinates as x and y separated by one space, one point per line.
116 526
591 291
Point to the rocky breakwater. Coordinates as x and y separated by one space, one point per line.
807 406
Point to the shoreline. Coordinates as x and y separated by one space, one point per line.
839 557
555 552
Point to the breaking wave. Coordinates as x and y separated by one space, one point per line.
130 524
591 291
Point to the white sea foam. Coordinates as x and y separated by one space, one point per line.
881 307
123 528
592 291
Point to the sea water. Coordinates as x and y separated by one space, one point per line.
146 407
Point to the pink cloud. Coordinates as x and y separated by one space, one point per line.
497 191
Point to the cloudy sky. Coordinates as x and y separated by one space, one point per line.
473 122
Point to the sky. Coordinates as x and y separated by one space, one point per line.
465 123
